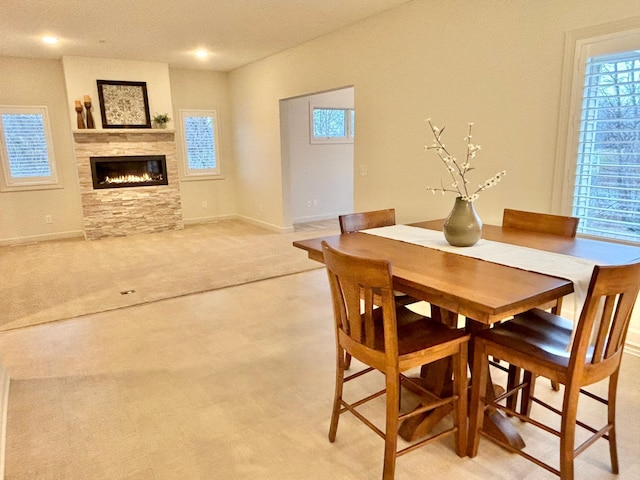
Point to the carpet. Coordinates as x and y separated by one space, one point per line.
56 280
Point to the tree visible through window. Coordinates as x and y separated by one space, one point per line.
332 125
607 182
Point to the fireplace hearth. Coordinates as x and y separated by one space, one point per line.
128 171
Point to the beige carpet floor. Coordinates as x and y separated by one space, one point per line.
48 281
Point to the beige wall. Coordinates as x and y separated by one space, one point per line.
81 74
22 214
495 63
205 90
42 82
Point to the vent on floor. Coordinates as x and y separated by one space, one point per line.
127 292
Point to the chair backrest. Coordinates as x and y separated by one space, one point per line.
354 281
604 321
540 222
359 221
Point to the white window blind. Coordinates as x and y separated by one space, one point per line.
26 153
201 140
607 182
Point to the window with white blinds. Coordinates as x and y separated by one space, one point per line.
26 151
606 194
201 139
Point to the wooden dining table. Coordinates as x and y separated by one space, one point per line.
481 291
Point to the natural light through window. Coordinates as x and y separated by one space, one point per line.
26 153
201 139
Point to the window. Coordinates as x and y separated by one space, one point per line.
605 152
26 152
201 139
332 125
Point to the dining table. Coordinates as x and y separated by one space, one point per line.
458 285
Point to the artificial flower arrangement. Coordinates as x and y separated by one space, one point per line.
459 170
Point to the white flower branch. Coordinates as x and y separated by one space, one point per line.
458 171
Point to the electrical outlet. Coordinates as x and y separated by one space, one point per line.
363 170
308 203
204 204
315 203
48 219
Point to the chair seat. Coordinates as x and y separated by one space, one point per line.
537 334
416 332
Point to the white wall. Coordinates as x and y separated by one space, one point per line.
320 179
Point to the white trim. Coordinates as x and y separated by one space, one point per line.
563 177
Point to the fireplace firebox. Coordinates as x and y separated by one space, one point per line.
129 171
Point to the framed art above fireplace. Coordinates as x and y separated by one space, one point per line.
123 104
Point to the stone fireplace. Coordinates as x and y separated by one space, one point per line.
145 162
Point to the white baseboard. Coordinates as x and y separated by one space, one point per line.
632 349
41 238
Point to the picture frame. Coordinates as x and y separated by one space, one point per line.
123 104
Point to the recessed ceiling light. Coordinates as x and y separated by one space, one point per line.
202 53
50 40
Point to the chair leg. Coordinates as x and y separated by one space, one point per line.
525 394
460 390
611 416
347 361
337 398
391 429
568 432
479 379
512 380
555 385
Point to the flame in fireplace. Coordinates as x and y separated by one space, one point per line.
133 179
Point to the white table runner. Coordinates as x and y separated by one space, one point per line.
578 270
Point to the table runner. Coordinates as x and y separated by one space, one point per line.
577 270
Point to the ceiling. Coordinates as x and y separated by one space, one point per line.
232 32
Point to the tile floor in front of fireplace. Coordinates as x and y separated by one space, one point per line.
231 384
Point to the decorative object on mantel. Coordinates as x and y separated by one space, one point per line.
161 119
123 104
79 117
87 106
463 227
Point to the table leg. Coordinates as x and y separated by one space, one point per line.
495 422
436 378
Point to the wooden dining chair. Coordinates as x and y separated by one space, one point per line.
542 223
541 343
354 222
389 339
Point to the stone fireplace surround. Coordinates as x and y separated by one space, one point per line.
127 211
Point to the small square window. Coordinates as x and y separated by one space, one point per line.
331 125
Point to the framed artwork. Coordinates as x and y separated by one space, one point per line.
124 104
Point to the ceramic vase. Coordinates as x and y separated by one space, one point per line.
463 227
